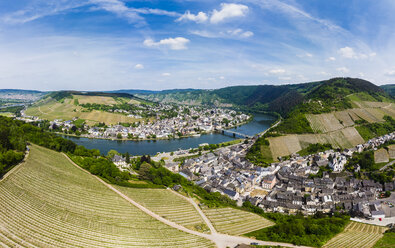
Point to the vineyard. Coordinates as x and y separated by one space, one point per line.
288 144
357 235
381 156
50 109
235 222
168 205
48 202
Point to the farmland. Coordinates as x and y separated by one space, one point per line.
50 109
48 202
288 144
339 128
381 156
168 205
235 222
356 235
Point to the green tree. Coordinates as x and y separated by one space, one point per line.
127 158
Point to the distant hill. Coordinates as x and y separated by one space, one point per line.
281 99
389 88
133 92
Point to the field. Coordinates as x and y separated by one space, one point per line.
391 151
356 235
387 241
66 110
235 222
381 156
288 144
6 114
336 128
48 202
106 100
324 123
168 205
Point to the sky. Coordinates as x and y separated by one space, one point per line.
205 44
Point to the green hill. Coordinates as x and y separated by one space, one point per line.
389 88
277 98
93 107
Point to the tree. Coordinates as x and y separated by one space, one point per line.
127 158
144 171
112 153
119 136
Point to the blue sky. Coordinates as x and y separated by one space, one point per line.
125 44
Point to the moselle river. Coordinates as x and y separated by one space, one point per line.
259 124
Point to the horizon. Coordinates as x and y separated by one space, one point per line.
171 89
105 45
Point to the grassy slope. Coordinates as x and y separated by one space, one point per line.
63 206
387 241
333 95
64 108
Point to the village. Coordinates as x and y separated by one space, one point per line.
169 122
286 186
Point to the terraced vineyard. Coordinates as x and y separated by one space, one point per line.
168 205
288 144
235 222
336 128
48 202
381 156
357 235
50 109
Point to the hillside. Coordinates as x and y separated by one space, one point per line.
338 112
62 206
389 88
93 107
275 98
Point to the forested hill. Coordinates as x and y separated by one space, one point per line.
331 94
389 88
58 95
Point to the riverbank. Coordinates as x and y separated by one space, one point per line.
155 139
258 124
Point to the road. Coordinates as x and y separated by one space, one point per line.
221 240
389 164
275 125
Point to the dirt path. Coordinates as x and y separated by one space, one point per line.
204 217
385 166
221 240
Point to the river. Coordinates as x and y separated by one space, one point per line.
259 124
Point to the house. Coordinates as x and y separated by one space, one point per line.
119 161
269 181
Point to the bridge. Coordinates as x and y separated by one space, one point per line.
235 134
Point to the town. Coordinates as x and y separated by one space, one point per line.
168 121
286 186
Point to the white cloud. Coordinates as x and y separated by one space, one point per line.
131 14
166 74
343 69
199 18
347 52
228 10
247 34
139 66
285 78
331 59
240 32
277 71
309 55
178 43
222 77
